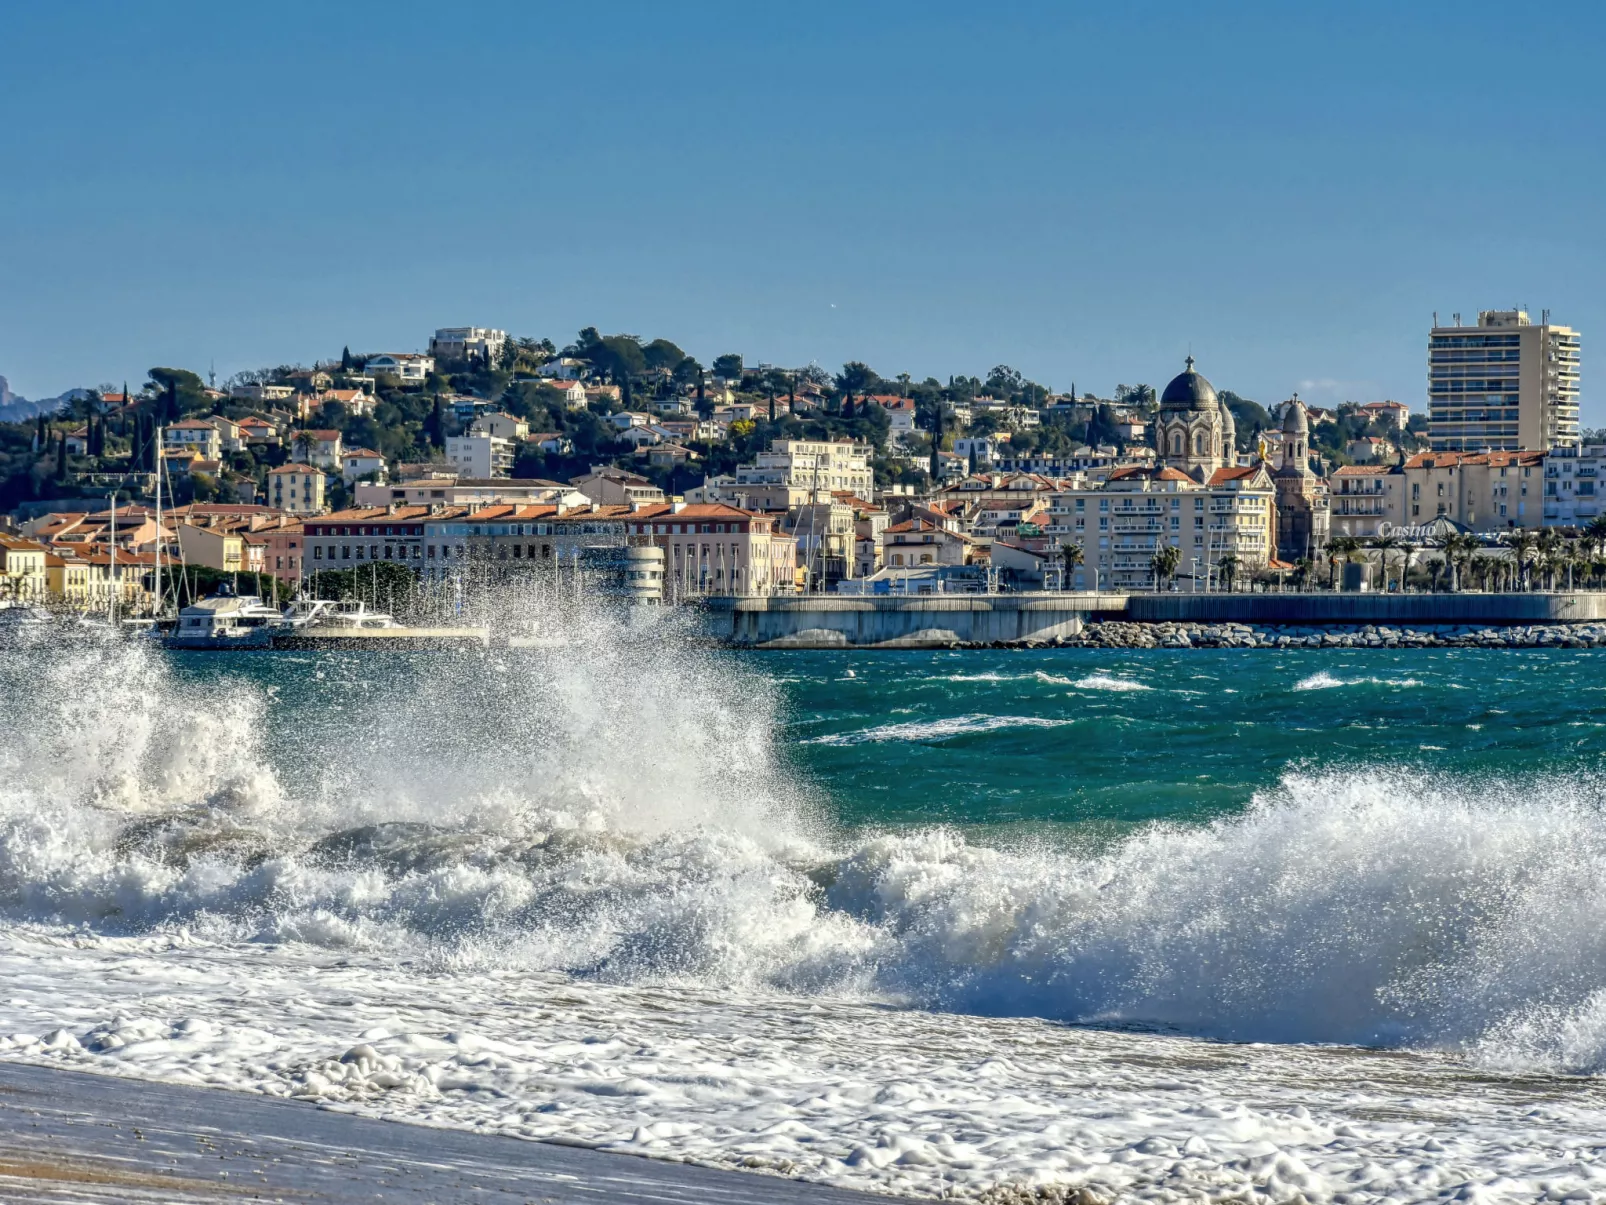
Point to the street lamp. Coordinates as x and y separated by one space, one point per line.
1193 578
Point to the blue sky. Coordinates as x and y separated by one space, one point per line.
1084 192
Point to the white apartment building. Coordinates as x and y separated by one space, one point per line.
1502 385
404 366
795 471
496 422
1362 498
468 343
481 454
192 435
1123 523
1575 485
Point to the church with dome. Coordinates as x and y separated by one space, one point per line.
1195 430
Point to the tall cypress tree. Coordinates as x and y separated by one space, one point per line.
61 457
936 443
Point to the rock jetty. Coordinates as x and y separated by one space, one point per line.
1119 634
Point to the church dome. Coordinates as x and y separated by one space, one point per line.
1188 391
1295 421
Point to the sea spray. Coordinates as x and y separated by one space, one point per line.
613 806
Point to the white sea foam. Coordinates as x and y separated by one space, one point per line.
1323 680
941 729
1108 682
583 899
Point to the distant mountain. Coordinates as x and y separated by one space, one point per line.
15 408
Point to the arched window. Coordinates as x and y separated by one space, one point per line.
1198 443
1176 443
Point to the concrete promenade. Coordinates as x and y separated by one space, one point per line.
68 1136
946 620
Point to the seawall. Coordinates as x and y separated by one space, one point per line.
919 621
947 620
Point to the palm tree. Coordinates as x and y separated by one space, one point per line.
1522 545
1164 563
1227 566
1303 568
1595 533
1339 548
1435 566
1409 549
1384 545
1072 556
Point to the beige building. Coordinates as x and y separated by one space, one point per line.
796 471
296 489
1502 385
710 548
1363 498
1121 525
212 548
609 486
23 569
1485 491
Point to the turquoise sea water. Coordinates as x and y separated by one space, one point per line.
1074 736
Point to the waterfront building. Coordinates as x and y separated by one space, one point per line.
712 548
345 539
1482 491
212 548
1575 485
918 541
606 485
357 463
1363 497
447 489
1502 385
22 569
824 532
1303 503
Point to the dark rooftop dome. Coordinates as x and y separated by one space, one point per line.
1189 391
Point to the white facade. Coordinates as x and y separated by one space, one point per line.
468 343
1573 486
482 455
405 366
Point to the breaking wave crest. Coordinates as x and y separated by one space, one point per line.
615 808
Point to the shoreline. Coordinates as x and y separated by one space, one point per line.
1126 634
80 1136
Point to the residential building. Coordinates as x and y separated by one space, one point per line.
711 548
609 486
404 366
553 442
467 343
1575 485
356 402
795 471
321 447
192 436
453 491
481 455
465 406
361 535
23 576
296 489
1121 524
574 393
1502 385
1483 491
68 579
564 368
262 392
357 463
1390 414
624 420
499 423
902 414
669 456
1362 499
922 542
825 536
213 548
1369 449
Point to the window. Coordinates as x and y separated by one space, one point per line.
317 553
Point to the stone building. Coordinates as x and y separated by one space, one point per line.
1303 503
1192 433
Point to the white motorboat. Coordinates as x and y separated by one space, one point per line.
323 613
226 621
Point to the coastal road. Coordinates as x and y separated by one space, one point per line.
68 1136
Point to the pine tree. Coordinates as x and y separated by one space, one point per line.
345 359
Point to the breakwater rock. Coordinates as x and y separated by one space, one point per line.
1121 634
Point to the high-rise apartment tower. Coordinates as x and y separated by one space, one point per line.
1503 385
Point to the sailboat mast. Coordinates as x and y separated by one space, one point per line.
158 614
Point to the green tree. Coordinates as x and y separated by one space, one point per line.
1164 563
728 367
1071 556
661 353
1227 566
